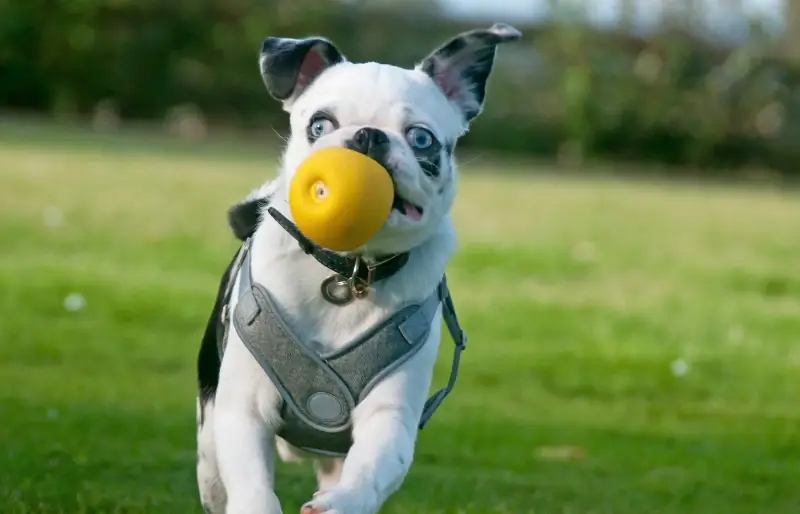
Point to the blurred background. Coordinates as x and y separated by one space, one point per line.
700 83
627 273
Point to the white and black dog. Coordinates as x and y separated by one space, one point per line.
330 355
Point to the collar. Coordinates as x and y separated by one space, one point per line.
346 266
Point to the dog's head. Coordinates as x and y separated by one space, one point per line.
406 119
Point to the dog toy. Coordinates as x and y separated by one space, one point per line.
340 198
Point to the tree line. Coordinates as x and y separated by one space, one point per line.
566 89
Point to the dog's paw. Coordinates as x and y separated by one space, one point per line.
337 501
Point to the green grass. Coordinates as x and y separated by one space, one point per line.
577 296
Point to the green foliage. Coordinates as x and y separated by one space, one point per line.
671 98
146 56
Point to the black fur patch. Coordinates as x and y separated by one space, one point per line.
461 67
448 148
208 361
282 61
243 217
430 159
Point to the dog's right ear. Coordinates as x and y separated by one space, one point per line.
289 66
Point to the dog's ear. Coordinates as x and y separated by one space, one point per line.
462 66
243 217
289 66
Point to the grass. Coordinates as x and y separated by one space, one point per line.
634 347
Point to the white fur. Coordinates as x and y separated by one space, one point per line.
389 98
237 444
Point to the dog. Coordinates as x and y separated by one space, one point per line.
287 311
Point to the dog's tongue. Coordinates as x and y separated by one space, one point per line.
412 211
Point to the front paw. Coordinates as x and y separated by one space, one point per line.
339 501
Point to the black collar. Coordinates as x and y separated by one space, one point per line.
344 265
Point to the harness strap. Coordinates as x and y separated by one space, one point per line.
235 268
460 343
448 315
297 371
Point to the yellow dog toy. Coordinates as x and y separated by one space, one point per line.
340 198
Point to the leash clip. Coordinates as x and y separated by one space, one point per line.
360 287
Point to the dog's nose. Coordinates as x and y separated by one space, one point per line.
371 142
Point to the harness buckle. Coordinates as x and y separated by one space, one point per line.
462 341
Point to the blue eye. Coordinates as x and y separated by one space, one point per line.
419 138
320 125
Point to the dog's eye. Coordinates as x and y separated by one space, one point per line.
419 138
319 125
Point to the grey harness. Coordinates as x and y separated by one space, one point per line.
319 392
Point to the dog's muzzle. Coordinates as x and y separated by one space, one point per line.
373 143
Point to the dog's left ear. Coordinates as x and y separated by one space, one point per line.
289 66
243 217
462 66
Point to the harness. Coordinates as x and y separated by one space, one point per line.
319 391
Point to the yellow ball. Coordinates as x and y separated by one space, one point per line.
340 198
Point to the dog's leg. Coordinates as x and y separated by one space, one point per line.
212 493
328 472
383 447
246 461
385 426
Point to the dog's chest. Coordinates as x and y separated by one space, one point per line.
322 359
320 324
327 328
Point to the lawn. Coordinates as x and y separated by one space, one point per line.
633 347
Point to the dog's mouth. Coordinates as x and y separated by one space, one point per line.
406 208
